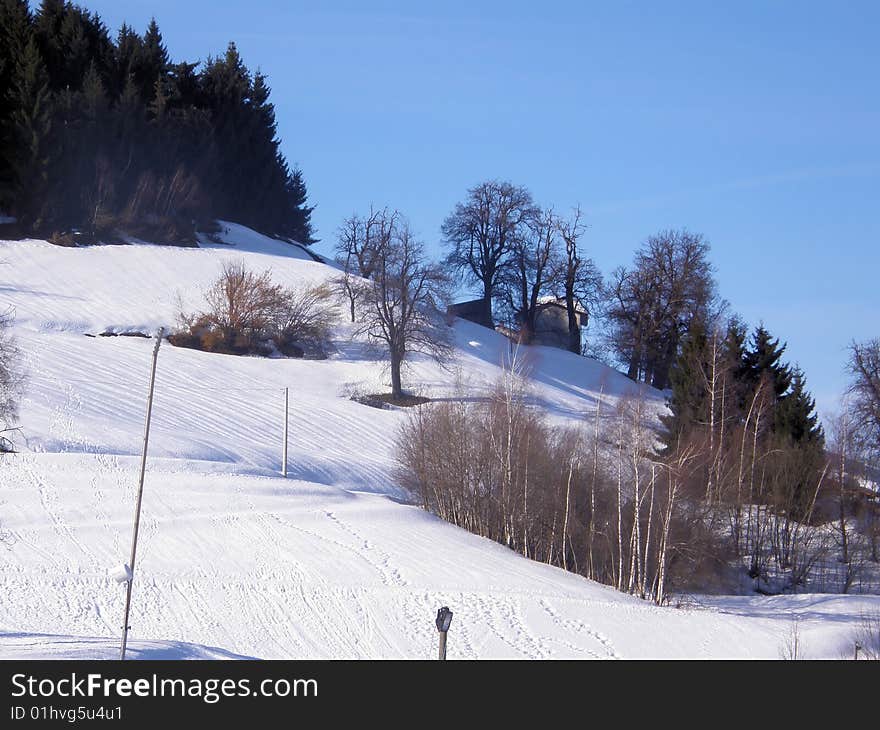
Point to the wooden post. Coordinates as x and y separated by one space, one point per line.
284 444
442 645
140 494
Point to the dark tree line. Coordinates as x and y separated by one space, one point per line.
111 135
758 450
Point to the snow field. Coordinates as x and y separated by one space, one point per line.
235 561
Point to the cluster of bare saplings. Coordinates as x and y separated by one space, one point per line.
600 500
796 519
591 500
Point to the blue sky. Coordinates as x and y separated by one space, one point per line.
756 124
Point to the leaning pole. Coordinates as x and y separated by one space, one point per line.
140 494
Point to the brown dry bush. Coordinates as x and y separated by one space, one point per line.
247 313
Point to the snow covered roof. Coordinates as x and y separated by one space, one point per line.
560 302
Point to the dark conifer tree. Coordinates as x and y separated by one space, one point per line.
71 40
15 34
32 134
736 368
763 358
689 402
152 62
298 222
47 27
128 50
226 85
796 416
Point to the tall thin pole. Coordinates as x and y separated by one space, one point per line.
284 444
140 495
442 653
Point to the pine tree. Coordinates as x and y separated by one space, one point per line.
125 58
32 127
689 401
734 362
15 34
71 40
796 416
796 432
763 360
298 225
47 27
226 85
152 62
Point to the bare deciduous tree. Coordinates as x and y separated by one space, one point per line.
578 278
531 275
11 380
482 232
357 241
670 285
864 388
791 647
401 304
499 470
241 304
867 636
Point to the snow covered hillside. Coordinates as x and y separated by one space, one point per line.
234 560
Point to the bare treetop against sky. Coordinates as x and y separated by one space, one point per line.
754 124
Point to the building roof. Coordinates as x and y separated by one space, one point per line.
560 302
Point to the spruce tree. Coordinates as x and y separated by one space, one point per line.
797 433
796 416
152 62
47 27
689 402
736 369
298 223
762 359
71 40
32 127
128 50
226 85
15 34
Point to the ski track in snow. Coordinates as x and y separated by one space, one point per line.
234 561
581 627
